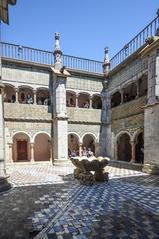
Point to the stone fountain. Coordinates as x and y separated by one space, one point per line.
86 166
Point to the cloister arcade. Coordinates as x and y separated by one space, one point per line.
24 149
130 148
83 100
129 92
75 143
41 96
26 95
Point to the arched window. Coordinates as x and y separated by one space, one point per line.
124 147
96 102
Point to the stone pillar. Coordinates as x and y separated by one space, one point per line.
105 128
122 96
97 153
4 185
90 102
34 92
60 120
32 152
151 117
132 151
16 95
80 149
76 100
138 89
51 152
10 152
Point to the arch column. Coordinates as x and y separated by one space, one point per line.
32 152
76 101
116 151
137 89
10 152
133 144
16 95
80 149
90 102
122 96
34 92
51 151
96 148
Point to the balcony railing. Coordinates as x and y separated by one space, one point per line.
28 54
138 41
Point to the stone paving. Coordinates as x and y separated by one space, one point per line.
47 203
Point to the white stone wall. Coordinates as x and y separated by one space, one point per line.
19 75
82 83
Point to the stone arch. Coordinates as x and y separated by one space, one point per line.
84 100
89 141
21 147
124 147
129 92
9 93
70 98
115 99
73 143
23 92
43 96
96 101
42 146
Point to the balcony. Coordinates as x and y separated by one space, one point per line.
130 108
84 115
26 111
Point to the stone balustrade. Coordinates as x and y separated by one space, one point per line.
130 108
84 115
27 111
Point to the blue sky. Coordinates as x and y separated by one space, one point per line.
85 26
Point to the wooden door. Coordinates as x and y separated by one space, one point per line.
22 151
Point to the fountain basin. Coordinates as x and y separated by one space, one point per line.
85 166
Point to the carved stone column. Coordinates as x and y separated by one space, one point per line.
4 185
60 119
122 96
76 100
16 95
51 153
32 152
10 152
34 96
133 144
137 89
80 149
90 102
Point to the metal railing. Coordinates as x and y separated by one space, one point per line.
28 54
138 41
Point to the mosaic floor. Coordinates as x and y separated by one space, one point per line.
58 207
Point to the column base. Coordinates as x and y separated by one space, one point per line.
4 183
151 169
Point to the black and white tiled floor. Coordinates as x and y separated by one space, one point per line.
117 209
46 203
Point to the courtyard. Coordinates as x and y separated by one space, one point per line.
46 202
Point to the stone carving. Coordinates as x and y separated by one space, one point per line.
85 166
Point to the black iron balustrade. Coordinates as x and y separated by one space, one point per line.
23 53
138 41
28 54
82 64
